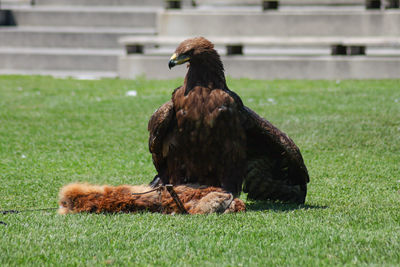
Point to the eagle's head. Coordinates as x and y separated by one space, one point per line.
192 51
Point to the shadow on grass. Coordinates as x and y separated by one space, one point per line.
278 206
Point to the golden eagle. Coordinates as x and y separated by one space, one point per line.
205 135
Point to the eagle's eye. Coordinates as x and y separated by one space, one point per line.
189 53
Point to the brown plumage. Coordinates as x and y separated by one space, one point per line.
206 135
74 198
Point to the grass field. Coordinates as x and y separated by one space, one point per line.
55 131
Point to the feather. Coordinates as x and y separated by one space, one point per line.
206 135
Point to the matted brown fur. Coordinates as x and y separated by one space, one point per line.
77 197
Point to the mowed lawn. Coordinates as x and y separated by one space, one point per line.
57 131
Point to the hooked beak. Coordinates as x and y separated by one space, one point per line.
177 60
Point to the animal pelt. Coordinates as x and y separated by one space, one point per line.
78 197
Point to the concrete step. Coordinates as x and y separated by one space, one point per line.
242 45
86 16
283 8
279 23
296 3
81 75
5 4
157 3
264 67
78 37
281 2
161 3
284 51
87 60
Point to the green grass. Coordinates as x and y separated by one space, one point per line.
55 131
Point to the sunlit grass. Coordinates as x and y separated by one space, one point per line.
55 131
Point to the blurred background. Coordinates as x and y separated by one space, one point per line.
286 39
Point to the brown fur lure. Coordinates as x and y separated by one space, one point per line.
78 197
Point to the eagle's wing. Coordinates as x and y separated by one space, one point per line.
159 125
276 168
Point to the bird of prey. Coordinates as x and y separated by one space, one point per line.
205 135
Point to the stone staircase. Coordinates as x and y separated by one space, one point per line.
332 40
312 39
72 37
